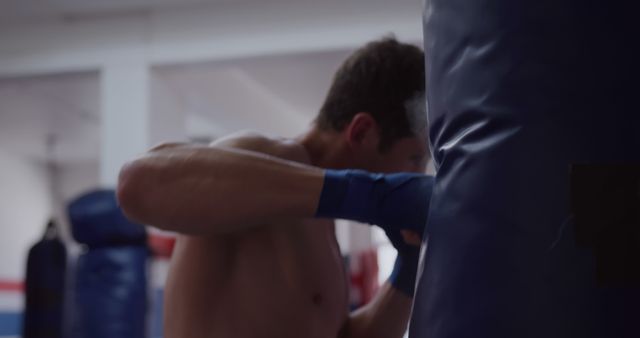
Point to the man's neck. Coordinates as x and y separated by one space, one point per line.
323 147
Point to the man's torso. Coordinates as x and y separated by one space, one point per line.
279 280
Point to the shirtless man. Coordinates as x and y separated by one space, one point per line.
252 261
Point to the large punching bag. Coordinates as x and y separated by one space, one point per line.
535 133
110 286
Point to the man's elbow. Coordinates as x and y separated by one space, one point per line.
130 191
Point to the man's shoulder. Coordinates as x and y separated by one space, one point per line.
280 147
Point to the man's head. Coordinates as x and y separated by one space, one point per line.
376 104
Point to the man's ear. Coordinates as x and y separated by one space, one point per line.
362 133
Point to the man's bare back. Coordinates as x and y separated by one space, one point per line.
279 280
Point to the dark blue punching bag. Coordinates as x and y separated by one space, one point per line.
45 287
110 286
534 128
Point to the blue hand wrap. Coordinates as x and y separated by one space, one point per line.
405 270
393 202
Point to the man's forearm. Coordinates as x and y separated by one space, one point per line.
386 316
209 190
203 190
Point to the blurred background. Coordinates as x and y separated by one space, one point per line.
86 85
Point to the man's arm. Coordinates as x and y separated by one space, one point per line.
201 190
215 189
386 316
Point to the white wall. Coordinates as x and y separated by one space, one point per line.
25 207
76 178
233 29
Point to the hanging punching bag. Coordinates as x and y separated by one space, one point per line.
45 287
110 286
532 112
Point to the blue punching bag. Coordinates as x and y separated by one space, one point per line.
534 129
110 286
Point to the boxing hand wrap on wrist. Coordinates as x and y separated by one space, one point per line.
394 200
346 194
405 269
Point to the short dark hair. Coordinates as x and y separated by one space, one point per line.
380 79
